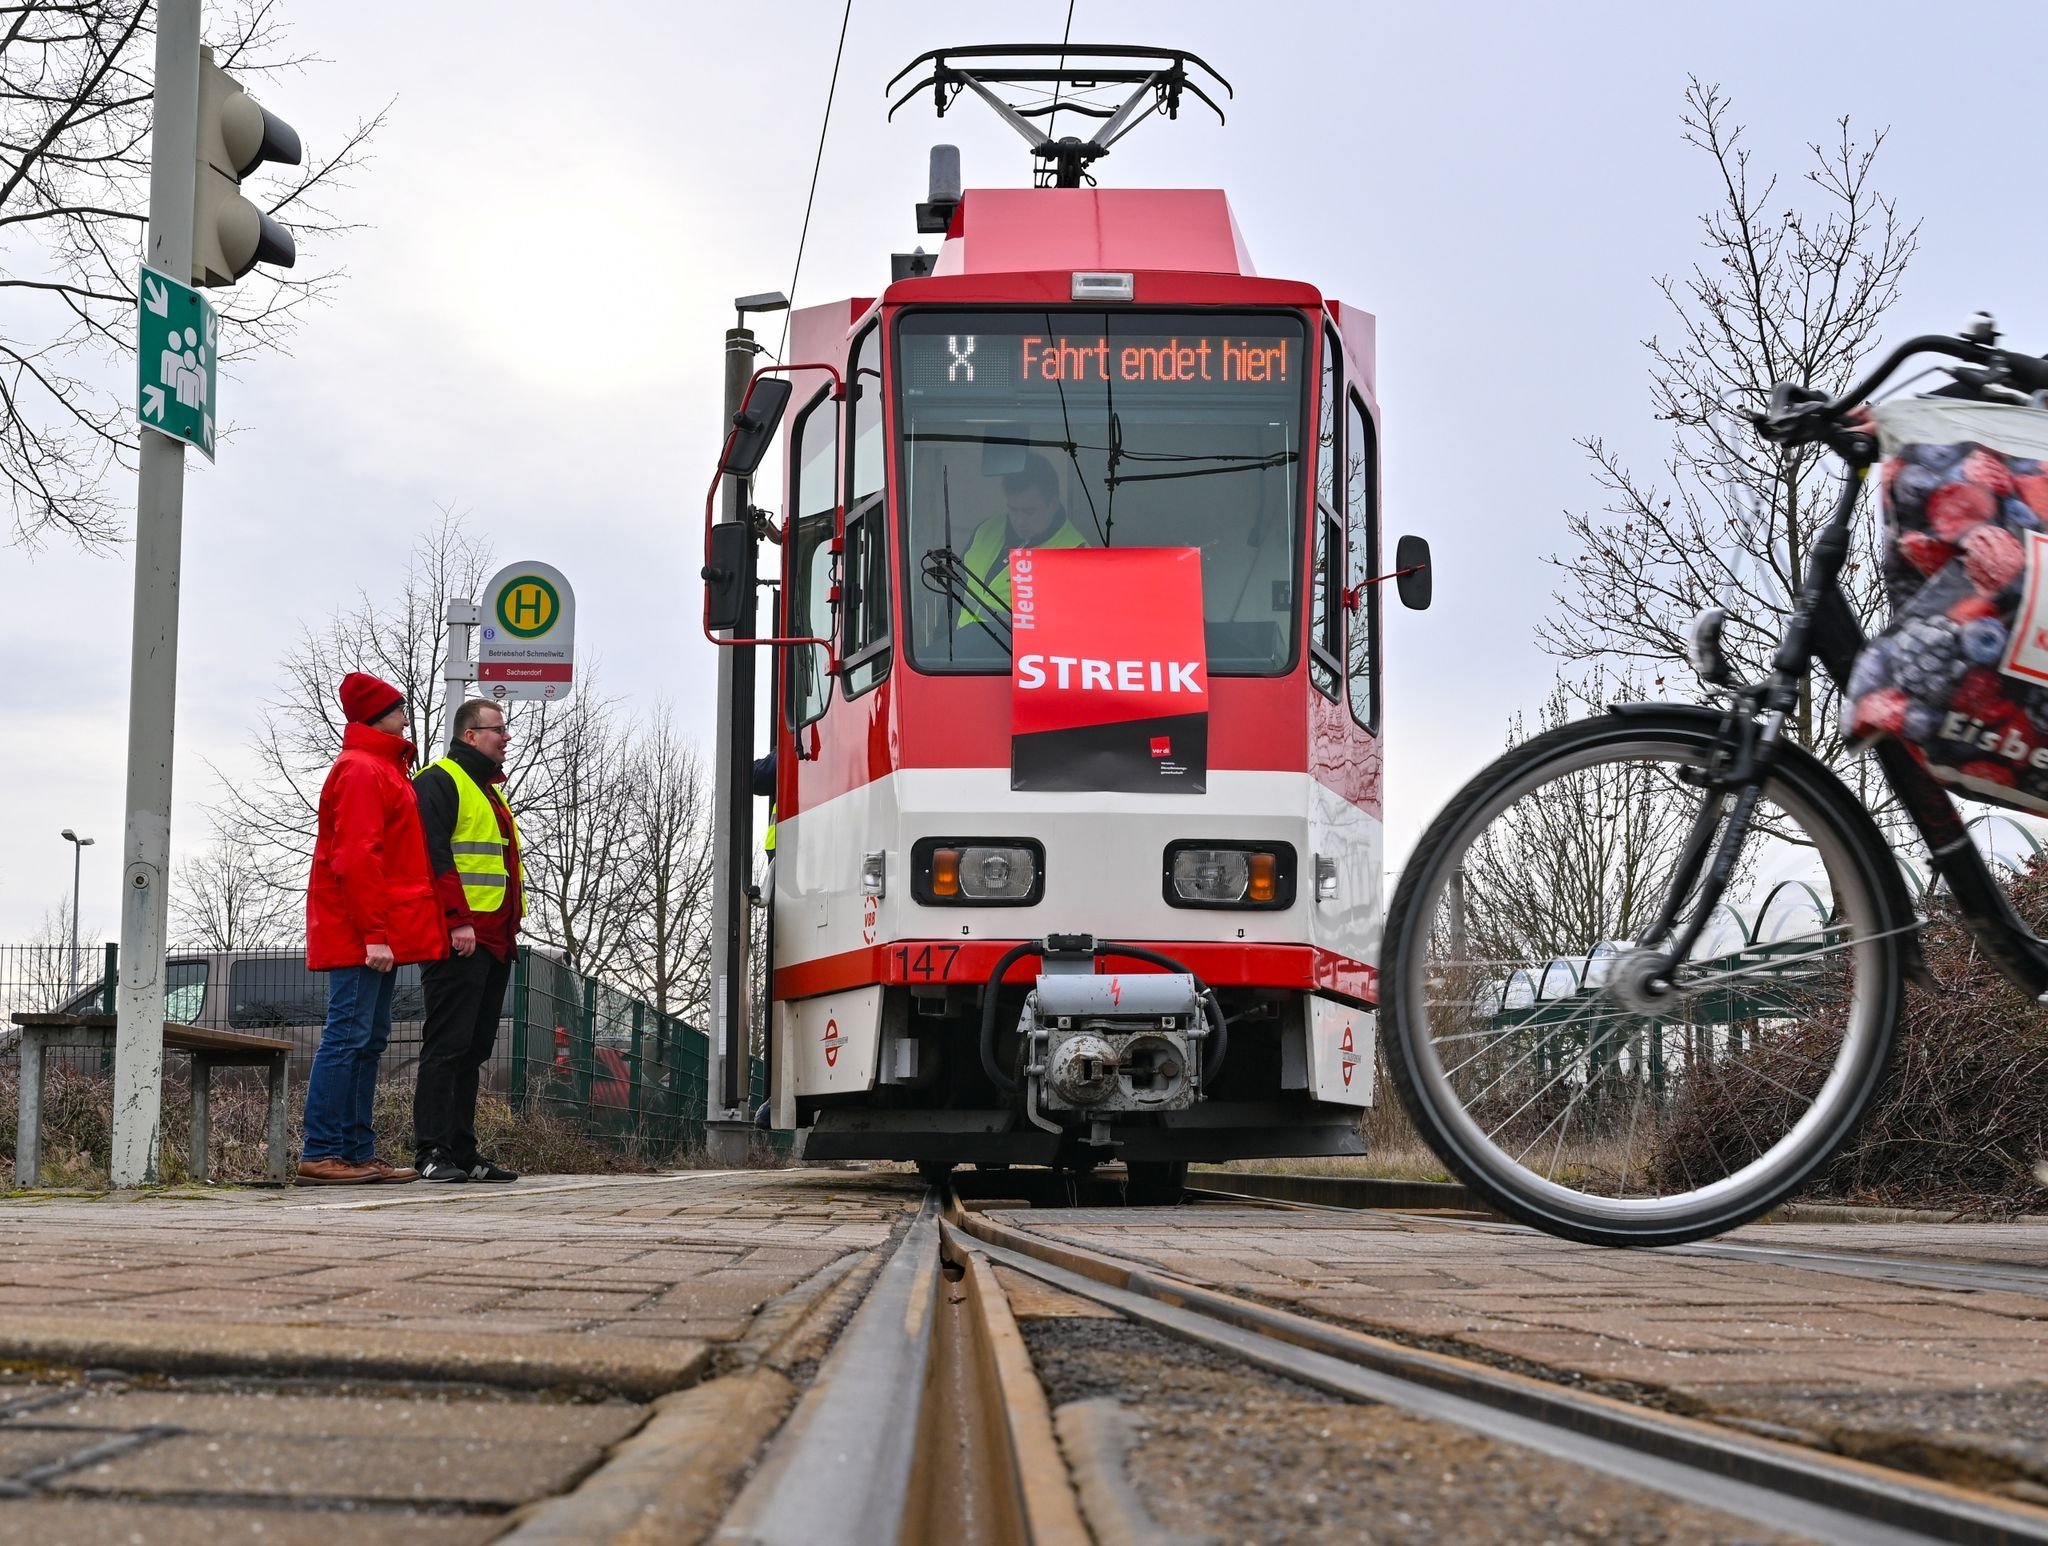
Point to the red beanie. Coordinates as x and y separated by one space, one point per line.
365 697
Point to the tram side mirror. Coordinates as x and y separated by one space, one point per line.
728 575
755 425
1001 455
1411 563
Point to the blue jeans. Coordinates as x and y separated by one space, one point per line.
342 1088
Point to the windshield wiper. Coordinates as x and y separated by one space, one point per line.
1232 463
946 573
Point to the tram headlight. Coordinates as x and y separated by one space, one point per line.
978 871
1219 875
1235 875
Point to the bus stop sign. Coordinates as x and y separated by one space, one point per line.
526 648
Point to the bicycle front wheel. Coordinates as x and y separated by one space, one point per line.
1585 1084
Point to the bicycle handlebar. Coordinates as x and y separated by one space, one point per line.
1798 415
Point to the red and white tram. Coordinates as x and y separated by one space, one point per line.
1077 844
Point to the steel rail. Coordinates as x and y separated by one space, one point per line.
924 1423
841 1469
1772 1483
1316 1193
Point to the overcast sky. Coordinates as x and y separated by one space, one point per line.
565 201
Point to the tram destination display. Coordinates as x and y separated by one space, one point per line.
1012 357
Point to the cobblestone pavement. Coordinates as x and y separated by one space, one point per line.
371 1364
1950 1380
420 1364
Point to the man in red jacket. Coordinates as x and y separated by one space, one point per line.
369 908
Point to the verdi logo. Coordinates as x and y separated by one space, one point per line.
528 607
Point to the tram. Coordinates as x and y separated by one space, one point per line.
1076 677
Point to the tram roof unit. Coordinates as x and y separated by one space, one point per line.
1182 247
1115 230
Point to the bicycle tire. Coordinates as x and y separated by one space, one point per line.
1867 890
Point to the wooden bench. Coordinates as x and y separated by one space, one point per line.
208 1050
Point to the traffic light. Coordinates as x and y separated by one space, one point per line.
230 235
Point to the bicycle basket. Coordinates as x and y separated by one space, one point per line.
1960 674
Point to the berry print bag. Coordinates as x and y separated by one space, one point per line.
1961 673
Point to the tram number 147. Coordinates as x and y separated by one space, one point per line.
926 963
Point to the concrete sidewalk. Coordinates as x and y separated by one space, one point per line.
369 1364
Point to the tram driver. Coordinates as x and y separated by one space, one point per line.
1034 517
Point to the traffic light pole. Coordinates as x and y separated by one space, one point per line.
732 839
153 670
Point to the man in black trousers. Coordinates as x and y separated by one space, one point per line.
473 849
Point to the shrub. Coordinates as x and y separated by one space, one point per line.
1964 1116
1959 1124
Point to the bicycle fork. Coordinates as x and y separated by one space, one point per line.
1752 731
1711 844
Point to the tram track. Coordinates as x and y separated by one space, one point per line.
927 1420
1771 1482
923 1423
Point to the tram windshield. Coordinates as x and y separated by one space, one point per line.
1077 428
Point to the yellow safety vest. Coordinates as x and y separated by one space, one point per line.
478 843
988 560
768 842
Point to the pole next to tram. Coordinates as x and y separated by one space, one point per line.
727 1122
153 670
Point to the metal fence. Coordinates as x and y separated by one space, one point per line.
615 1062
568 1044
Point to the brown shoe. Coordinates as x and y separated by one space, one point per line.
391 1172
337 1172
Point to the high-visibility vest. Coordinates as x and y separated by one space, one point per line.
988 560
768 842
478 843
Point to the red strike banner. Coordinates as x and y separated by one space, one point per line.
1109 675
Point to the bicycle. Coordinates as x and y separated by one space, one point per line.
1670 1076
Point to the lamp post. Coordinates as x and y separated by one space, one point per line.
78 848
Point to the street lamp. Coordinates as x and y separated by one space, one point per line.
78 848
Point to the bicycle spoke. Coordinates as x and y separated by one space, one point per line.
1537 1036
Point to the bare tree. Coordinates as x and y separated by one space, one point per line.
43 972
1582 859
270 815
614 822
223 899
669 879
576 809
1793 285
75 105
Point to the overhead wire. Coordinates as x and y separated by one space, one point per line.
1054 116
810 198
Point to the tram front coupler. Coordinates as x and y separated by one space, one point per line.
1099 1044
